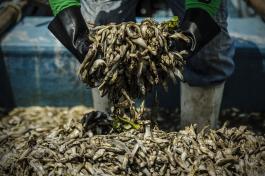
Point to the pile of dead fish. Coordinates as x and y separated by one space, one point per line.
125 61
132 57
51 141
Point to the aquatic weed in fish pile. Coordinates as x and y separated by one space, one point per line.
52 141
125 61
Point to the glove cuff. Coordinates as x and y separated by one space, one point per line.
200 27
70 29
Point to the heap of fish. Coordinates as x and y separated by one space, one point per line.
52 141
125 61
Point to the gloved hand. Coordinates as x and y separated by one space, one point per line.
70 29
199 27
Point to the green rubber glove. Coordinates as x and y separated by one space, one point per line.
210 6
58 5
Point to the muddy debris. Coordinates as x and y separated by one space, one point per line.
52 141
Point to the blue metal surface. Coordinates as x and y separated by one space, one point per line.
248 30
41 70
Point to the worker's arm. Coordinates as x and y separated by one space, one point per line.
198 24
69 27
